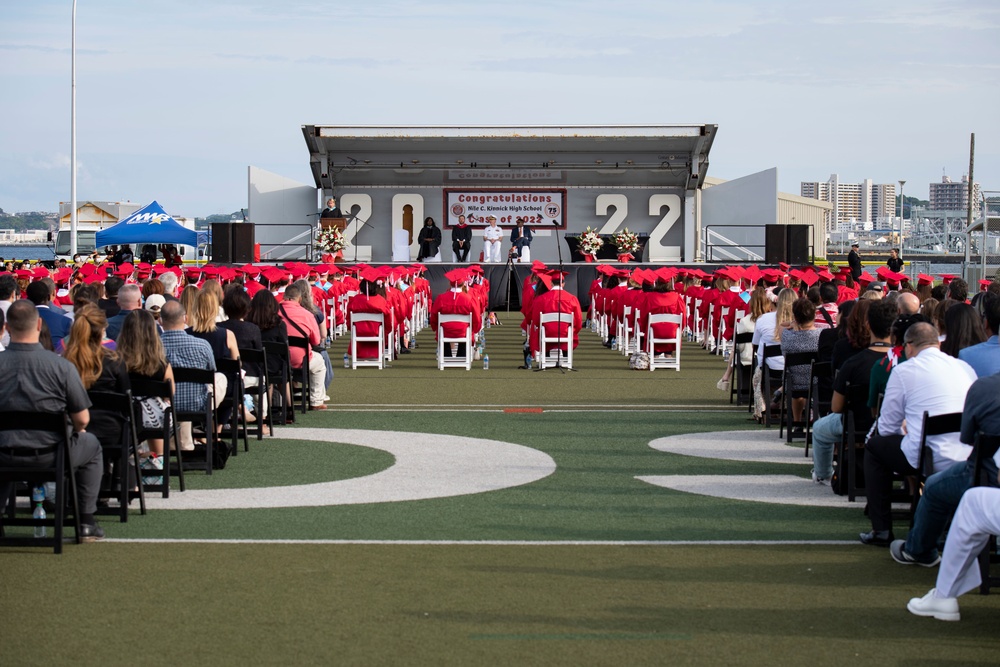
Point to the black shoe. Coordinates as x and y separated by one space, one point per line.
877 538
404 350
91 532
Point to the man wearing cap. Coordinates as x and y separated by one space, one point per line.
492 236
556 300
854 261
456 301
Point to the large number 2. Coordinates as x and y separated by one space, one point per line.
347 203
620 202
657 252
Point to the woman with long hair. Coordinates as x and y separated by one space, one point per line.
100 369
963 327
213 287
802 336
429 239
306 301
767 331
141 350
264 313
759 305
202 319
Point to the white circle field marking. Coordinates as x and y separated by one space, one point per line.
428 465
760 446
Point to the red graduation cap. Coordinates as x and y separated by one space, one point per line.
40 272
370 274
946 278
924 279
23 273
94 278
665 273
984 283
866 278
125 269
89 269
784 267
825 275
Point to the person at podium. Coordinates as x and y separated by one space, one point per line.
331 210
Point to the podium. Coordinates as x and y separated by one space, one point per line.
327 223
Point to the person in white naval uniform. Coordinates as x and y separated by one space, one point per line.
492 238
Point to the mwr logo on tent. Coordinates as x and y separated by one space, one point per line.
148 218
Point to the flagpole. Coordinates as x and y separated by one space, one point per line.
72 150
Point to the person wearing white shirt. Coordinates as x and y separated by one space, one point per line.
492 236
928 381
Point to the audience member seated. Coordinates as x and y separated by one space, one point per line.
985 357
963 328
767 332
55 318
928 381
302 323
856 371
34 380
129 299
803 336
943 490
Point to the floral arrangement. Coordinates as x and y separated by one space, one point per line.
627 242
590 242
331 240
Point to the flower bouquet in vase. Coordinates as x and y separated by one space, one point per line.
332 243
627 243
590 243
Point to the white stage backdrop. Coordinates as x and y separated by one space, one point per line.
542 208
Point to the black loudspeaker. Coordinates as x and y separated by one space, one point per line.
242 242
222 243
786 243
232 243
774 244
797 244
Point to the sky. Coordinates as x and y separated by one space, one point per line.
176 98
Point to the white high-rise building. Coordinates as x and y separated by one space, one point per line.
950 196
853 203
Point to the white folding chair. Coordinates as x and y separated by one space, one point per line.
546 340
699 329
454 361
651 341
720 337
378 338
624 330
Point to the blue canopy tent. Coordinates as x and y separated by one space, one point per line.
150 224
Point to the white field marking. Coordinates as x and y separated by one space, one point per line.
528 410
428 465
500 543
760 446
778 489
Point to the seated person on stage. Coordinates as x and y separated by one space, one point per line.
857 370
456 301
928 381
492 236
555 300
520 237
461 240
428 240
943 490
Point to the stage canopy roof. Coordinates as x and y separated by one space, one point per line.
669 156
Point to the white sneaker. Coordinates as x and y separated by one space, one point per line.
943 609
824 481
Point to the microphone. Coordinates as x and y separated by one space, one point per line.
555 222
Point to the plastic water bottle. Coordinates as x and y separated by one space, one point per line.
486 362
37 497
347 361
527 360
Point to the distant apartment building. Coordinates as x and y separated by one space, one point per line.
854 204
951 196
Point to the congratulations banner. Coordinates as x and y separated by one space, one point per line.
539 208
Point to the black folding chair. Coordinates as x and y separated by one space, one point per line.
793 361
278 376
817 405
123 451
303 391
205 417
143 387
256 360
984 450
768 378
950 422
739 383
59 471
851 450
233 370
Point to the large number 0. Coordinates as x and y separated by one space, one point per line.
347 203
416 202
620 203
658 252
